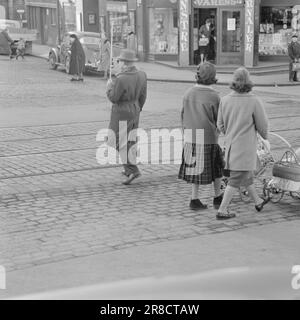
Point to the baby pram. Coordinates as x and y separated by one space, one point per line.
285 175
13 49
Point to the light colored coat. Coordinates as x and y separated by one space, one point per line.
241 116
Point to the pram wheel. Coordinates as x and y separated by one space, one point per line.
274 194
244 194
295 195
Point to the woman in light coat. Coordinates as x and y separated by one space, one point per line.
105 59
241 117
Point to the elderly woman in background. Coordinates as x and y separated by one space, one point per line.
202 156
77 59
241 117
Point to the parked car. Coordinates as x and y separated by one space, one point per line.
60 56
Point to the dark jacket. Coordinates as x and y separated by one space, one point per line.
7 37
5 42
206 32
294 50
77 61
128 88
128 93
200 111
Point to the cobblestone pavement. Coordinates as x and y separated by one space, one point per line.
57 203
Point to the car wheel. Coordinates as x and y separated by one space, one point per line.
67 65
52 61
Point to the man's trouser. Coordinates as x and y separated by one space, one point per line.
128 149
292 74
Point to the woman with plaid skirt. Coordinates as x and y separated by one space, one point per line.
202 160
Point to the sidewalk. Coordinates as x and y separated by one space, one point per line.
159 72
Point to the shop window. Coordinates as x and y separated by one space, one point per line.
118 16
276 27
163 31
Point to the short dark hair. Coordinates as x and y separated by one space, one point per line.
73 36
206 74
241 81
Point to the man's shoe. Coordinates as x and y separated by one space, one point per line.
131 177
217 201
197 205
261 206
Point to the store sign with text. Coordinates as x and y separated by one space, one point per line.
249 16
117 6
184 25
213 3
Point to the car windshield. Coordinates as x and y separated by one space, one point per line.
90 40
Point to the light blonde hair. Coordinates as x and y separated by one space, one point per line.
241 81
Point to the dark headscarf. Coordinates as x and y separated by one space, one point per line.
76 48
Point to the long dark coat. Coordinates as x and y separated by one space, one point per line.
77 61
128 93
5 42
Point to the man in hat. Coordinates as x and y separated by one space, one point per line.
294 55
127 90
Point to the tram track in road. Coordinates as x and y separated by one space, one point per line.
102 122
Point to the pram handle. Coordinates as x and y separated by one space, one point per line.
281 138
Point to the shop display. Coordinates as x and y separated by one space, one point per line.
163 33
275 30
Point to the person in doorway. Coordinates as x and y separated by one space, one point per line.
205 33
294 55
241 117
8 41
202 160
128 92
77 60
211 54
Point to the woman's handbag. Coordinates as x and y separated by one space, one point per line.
296 66
203 42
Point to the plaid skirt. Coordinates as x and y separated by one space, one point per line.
201 164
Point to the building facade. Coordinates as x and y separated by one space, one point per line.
107 17
13 10
49 21
245 31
